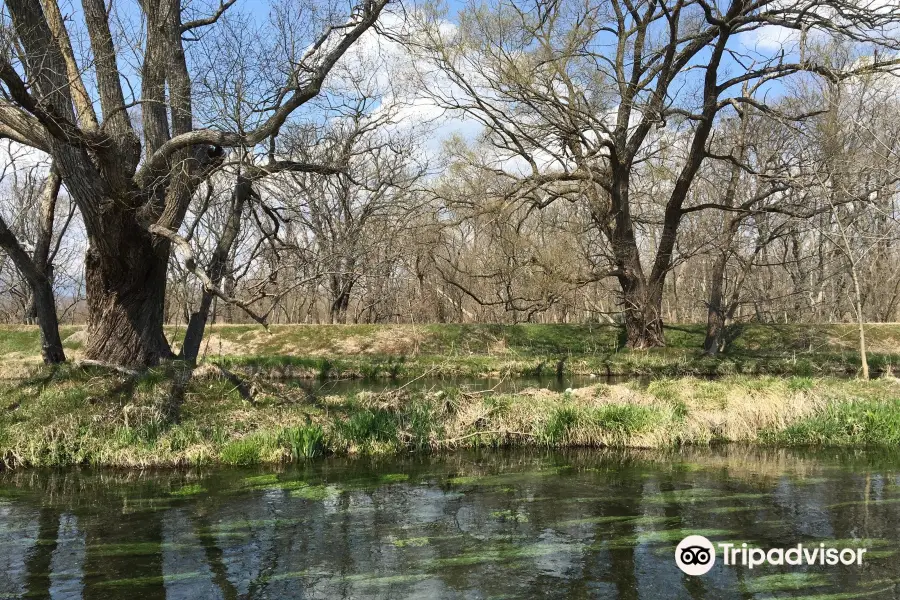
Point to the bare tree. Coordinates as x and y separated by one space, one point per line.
354 215
575 96
125 179
37 199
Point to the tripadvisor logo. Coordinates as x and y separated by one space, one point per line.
696 555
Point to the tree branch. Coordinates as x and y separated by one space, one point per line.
190 264
315 65
196 23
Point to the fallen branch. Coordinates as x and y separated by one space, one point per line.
498 431
209 369
97 363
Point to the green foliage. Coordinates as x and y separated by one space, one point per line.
421 423
800 384
624 418
557 426
365 426
325 368
307 441
249 450
862 422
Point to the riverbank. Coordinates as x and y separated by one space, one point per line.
487 350
70 415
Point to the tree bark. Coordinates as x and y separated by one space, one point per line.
193 336
339 306
715 316
642 313
45 310
126 287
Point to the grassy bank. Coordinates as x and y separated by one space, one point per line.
84 416
401 351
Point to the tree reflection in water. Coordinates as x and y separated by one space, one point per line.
580 524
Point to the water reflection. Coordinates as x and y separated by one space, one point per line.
470 525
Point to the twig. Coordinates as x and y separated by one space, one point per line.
450 441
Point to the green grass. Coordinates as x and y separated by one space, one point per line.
536 350
775 386
304 442
473 350
25 339
847 423
69 416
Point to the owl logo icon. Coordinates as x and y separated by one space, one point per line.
695 555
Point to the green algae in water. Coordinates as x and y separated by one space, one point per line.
505 524
725 510
315 492
510 516
260 480
785 581
411 542
188 490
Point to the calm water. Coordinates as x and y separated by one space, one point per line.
471 525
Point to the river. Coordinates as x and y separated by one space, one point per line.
489 524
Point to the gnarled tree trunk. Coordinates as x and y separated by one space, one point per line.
127 180
642 314
125 297
339 306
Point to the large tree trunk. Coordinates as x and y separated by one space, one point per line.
642 313
642 303
339 307
341 285
715 317
120 196
125 297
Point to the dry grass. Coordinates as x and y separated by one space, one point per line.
86 416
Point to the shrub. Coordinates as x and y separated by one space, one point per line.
868 423
245 451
